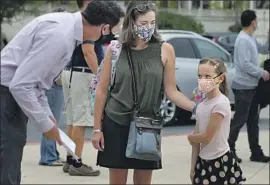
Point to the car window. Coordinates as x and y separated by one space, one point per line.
207 49
232 39
223 40
183 47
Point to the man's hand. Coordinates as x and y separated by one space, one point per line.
266 76
53 134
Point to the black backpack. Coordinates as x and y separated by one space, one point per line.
263 89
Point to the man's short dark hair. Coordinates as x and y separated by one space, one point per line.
103 12
80 3
247 17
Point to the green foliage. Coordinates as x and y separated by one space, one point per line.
173 4
173 21
235 28
215 5
10 8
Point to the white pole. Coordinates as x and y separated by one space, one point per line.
221 4
251 5
189 5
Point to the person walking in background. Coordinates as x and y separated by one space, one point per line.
154 66
76 83
49 156
212 162
245 82
30 63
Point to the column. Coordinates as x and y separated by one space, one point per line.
201 5
221 4
189 5
252 5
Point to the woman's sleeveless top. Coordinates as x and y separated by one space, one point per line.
148 68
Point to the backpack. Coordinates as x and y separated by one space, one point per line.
263 89
115 47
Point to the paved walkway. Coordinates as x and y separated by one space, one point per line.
176 164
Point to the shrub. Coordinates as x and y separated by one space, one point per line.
235 28
167 20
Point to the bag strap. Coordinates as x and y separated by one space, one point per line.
134 84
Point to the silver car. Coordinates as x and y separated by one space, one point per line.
189 49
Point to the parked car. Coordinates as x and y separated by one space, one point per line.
226 40
190 48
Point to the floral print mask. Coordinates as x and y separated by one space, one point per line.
144 32
206 85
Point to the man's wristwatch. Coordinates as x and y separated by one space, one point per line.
89 42
97 131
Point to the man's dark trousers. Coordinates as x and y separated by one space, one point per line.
246 111
13 138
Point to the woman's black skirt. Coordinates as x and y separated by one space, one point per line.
115 143
223 170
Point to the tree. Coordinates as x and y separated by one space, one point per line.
168 20
237 7
11 8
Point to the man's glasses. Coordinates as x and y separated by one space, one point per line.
143 7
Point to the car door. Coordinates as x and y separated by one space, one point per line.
209 49
186 65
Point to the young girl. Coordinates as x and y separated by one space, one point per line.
212 161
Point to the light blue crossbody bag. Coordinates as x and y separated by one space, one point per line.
144 140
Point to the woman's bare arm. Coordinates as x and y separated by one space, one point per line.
102 89
169 81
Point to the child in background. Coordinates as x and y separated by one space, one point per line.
212 161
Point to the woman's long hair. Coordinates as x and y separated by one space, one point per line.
132 13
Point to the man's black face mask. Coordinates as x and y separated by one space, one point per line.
103 39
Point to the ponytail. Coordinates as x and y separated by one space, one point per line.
223 87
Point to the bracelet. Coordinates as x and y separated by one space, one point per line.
97 131
194 109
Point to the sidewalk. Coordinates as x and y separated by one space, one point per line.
176 164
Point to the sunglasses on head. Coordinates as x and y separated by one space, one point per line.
143 7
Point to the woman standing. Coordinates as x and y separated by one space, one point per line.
154 66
